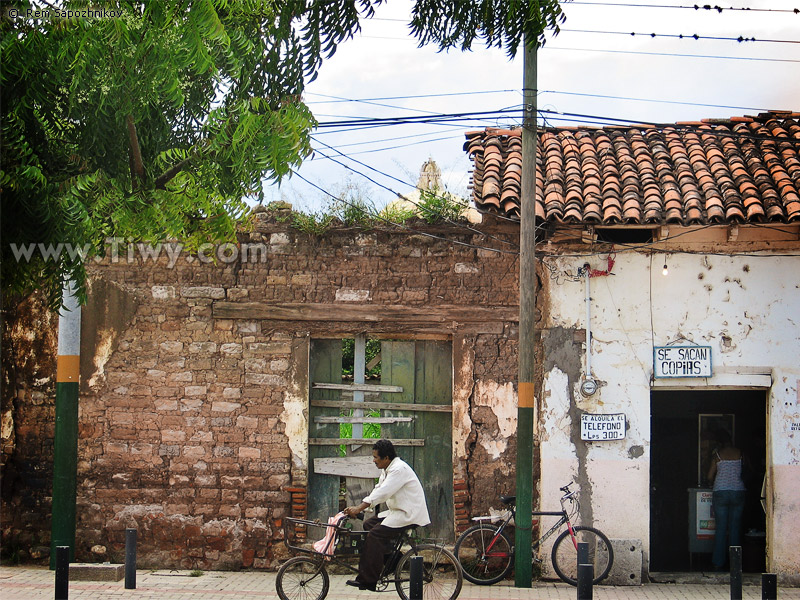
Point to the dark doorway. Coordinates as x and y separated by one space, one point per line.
678 460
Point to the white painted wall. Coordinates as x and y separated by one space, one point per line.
747 308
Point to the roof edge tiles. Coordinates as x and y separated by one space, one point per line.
744 169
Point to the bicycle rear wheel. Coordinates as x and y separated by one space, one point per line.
302 578
441 574
486 559
565 554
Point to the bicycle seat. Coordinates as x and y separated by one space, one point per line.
508 499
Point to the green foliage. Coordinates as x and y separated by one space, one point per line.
373 349
396 213
500 23
435 207
315 223
353 207
152 125
371 430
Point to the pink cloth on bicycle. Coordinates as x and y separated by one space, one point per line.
325 545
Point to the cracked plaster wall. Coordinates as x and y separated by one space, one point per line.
745 308
485 416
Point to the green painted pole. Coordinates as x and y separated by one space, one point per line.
527 320
65 443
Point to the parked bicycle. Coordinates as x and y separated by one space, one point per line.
487 555
306 577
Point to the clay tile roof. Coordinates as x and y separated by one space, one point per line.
738 170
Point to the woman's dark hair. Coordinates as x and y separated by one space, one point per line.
723 437
385 449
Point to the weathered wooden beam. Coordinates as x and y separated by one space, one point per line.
362 419
383 405
361 387
446 315
375 360
347 466
370 441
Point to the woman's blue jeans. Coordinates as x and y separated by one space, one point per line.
728 511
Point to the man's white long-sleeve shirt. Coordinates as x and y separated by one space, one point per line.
399 487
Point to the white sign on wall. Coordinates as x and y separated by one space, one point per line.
602 427
705 525
682 361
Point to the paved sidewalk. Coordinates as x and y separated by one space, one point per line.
18 583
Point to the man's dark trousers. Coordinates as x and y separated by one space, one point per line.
378 543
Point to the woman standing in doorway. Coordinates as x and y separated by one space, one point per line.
728 499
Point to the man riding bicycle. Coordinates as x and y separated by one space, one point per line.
400 488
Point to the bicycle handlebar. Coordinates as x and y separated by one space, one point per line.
567 494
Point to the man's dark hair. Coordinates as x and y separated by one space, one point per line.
385 449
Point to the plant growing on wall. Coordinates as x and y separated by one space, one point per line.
435 207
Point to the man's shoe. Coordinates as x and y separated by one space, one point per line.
361 586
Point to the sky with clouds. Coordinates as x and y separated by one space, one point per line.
593 67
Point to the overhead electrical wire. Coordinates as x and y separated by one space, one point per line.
682 36
437 118
406 227
417 143
442 95
653 100
694 36
558 115
695 7
392 177
394 139
539 93
633 52
673 54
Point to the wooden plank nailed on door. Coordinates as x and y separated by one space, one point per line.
370 441
347 466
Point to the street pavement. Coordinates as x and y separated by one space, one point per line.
18 583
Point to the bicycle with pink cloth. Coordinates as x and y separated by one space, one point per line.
305 577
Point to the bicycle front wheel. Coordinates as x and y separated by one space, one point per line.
565 554
302 578
485 555
441 573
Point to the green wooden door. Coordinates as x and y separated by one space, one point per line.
418 374
423 369
326 367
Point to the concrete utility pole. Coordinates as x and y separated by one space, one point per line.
65 444
527 319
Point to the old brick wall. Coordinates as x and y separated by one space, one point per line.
183 418
28 421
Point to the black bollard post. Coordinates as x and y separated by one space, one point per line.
769 586
130 559
585 579
415 586
62 573
735 553
583 553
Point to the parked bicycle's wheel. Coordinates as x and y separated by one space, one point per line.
486 559
565 554
441 574
302 578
